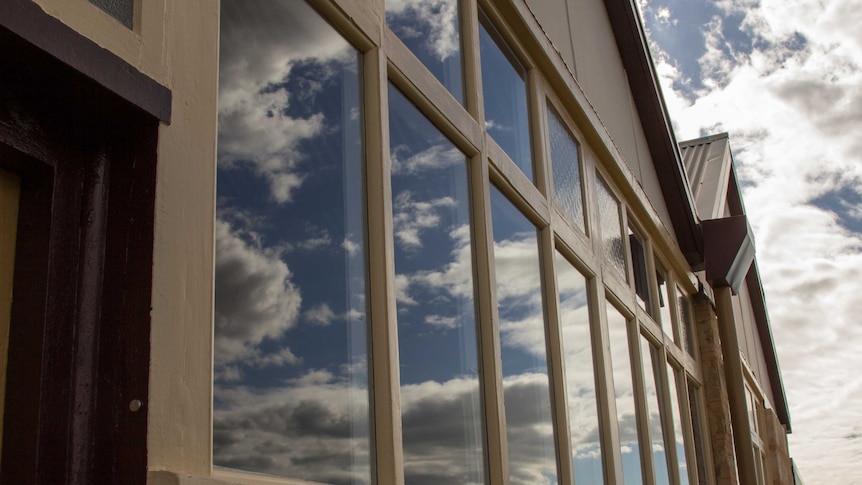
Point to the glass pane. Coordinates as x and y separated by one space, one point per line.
697 431
441 412
122 10
677 425
432 31
566 169
639 271
612 229
291 381
580 377
505 94
686 325
665 303
625 396
529 427
652 366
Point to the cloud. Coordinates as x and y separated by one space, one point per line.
432 158
442 322
790 94
434 20
412 217
315 427
255 128
452 279
255 298
320 315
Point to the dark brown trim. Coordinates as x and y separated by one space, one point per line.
655 120
28 21
80 320
729 250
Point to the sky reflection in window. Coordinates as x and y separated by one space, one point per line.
677 425
580 376
505 94
440 403
291 385
652 369
625 396
529 427
432 31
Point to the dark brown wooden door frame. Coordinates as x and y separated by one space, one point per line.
80 326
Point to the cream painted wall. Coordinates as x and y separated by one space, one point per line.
175 42
581 32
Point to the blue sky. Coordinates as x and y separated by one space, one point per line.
784 78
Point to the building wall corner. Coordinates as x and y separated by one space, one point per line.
778 464
715 391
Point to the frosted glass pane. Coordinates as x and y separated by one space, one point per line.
441 408
432 31
505 94
566 169
122 10
612 229
526 388
580 375
625 397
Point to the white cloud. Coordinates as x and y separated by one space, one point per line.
412 217
321 315
439 18
254 129
793 107
432 158
442 322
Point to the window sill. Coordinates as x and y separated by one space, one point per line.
219 477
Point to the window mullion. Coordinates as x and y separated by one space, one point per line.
489 338
381 268
555 358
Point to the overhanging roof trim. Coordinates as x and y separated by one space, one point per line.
707 164
652 111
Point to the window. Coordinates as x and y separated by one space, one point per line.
566 168
432 31
640 276
291 350
611 227
529 424
652 363
505 93
625 396
664 303
580 373
441 411
376 254
122 10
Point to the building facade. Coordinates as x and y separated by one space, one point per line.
368 241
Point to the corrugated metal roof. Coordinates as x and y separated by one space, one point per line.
707 164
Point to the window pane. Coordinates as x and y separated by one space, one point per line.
580 377
505 94
652 367
432 31
529 427
686 325
566 169
291 382
697 431
639 271
677 425
122 10
440 403
625 396
612 229
665 303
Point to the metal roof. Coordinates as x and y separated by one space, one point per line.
707 164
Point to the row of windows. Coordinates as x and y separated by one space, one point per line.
341 263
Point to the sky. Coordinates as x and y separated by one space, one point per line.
784 79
